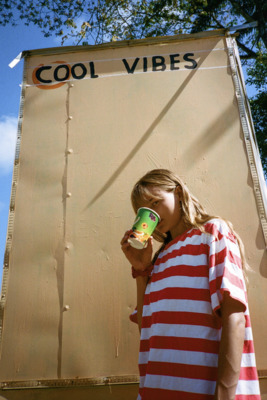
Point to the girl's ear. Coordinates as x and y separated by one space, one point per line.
179 193
178 190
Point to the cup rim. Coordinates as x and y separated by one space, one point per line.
150 209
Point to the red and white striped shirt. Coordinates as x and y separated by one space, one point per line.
181 329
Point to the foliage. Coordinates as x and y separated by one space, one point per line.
257 76
106 20
95 22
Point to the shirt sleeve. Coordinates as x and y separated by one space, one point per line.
133 316
225 265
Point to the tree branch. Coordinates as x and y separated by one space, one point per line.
242 12
250 53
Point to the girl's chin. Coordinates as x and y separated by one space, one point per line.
160 228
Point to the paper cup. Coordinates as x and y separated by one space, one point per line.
143 227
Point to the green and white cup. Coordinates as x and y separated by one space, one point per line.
143 227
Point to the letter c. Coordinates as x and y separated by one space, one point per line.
42 83
38 74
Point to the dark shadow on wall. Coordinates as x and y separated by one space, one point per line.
146 135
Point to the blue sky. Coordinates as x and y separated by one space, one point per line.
13 40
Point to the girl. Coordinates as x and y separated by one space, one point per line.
196 341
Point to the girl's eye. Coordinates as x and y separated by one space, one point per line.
155 203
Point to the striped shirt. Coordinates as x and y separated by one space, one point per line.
181 329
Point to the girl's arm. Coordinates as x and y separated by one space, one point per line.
140 260
231 347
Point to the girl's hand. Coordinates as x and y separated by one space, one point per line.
139 259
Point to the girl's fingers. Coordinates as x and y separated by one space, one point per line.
125 246
125 237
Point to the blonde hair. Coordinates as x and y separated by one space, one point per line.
193 213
